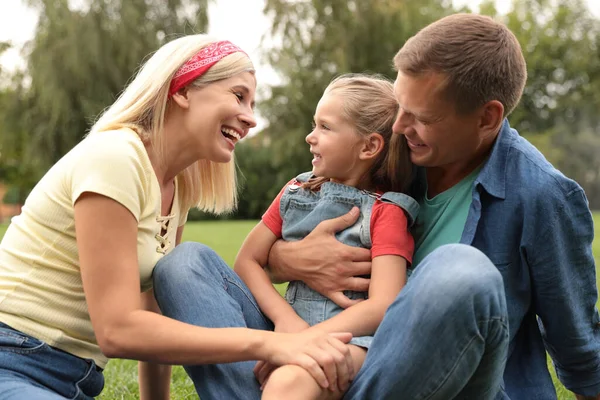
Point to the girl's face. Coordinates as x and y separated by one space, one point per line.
335 143
218 115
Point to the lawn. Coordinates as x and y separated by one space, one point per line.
225 237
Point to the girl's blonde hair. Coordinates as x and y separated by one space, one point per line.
370 106
207 185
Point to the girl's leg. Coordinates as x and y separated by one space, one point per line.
291 382
193 284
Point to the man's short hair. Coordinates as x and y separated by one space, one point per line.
480 58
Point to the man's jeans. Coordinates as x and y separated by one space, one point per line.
444 337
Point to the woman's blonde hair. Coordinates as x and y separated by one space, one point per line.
207 185
370 106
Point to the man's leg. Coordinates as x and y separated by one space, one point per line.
193 284
444 337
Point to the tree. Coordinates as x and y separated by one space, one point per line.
322 39
561 43
79 61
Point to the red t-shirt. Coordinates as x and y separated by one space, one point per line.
389 228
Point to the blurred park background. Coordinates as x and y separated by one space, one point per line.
80 54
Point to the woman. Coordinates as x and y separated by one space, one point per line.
73 264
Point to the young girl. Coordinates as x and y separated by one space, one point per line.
358 162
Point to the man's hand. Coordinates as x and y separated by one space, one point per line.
322 262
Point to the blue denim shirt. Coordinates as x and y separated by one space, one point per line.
536 227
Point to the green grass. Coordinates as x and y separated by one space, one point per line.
225 237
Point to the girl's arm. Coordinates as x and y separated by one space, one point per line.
388 277
155 379
107 244
249 265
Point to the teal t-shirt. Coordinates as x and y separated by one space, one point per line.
442 219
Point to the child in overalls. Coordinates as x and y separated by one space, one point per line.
358 162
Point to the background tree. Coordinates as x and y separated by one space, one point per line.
320 39
77 63
559 108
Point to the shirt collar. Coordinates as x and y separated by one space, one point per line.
493 174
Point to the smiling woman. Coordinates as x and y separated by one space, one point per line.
73 264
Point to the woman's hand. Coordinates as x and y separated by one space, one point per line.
325 356
291 324
322 262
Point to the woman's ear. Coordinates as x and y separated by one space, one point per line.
181 98
372 146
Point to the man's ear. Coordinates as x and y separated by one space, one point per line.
490 121
372 146
181 98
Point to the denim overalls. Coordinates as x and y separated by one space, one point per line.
302 210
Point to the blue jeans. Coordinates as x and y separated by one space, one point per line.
444 337
30 369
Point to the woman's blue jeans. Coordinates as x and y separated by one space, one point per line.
444 337
30 369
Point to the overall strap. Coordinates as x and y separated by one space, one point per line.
407 203
304 177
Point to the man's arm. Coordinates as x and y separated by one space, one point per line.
322 262
564 290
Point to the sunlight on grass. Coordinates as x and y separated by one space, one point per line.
225 237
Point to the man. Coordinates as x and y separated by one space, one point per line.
505 268
458 79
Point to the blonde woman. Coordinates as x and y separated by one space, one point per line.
73 264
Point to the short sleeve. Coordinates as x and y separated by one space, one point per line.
272 217
112 164
389 232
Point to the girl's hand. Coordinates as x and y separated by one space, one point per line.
324 356
291 324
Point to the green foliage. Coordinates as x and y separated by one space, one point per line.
560 41
77 63
324 38
319 40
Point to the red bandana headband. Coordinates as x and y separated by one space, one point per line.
201 62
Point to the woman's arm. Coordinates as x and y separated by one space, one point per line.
388 277
249 265
107 244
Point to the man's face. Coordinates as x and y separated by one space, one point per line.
437 135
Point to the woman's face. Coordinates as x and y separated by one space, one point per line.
216 116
